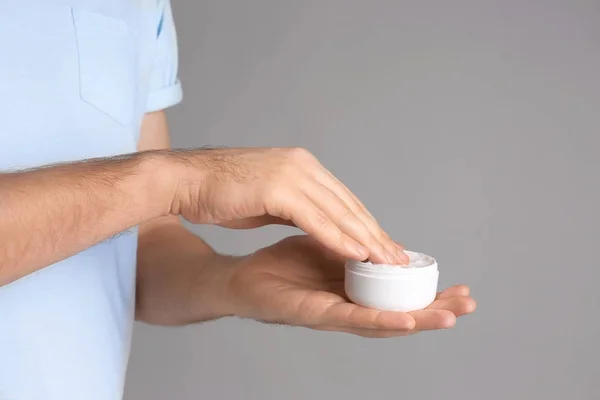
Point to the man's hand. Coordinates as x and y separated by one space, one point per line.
250 187
299 282
237 188
53 212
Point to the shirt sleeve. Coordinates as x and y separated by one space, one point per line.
164 87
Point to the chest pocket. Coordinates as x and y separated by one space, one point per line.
107 60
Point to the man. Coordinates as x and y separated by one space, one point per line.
91 200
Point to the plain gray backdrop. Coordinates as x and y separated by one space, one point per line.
469 128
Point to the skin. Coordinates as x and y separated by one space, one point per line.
51 213
299 282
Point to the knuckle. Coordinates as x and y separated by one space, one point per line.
273 188
293 163
374 243
355 320
321 220
324 224
299 154
346 213
275 199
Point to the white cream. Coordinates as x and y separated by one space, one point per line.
417 260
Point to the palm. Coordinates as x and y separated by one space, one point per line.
298 282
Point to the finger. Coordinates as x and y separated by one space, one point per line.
308 217
459 306
354 316
348 222
454 291
363 207
366 333
327 179
430 319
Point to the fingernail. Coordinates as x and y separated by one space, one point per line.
403 257
390 257
361 252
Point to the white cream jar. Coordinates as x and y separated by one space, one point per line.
393 287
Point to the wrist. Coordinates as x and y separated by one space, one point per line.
183 172
160 181
212 296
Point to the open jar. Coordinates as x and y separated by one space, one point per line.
385 287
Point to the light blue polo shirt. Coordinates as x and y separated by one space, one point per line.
76 78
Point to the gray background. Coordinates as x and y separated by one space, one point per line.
469 128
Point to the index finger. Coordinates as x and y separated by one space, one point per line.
352 315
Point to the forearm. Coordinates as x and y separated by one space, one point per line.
180 278
51 213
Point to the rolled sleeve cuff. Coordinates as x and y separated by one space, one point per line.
164 98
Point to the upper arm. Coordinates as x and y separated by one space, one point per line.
154 133
164 88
